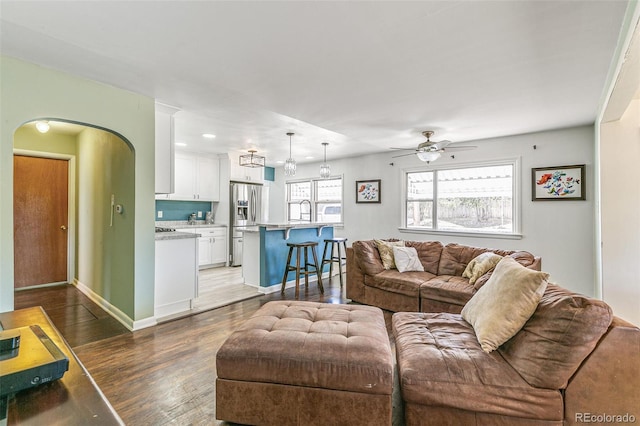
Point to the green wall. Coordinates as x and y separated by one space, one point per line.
30 92
106 246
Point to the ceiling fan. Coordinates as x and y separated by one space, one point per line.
429 150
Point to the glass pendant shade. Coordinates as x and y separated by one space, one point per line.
251 159
325 171
290 164
290 167
428 156
325 168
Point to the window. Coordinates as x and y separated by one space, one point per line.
473 199
315 200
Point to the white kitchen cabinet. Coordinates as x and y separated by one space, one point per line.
164 152
176 276
212 246
197 178
244 174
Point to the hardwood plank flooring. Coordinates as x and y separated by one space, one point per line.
164 374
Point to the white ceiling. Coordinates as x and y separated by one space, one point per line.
363 76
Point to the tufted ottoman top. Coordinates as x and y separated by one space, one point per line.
341 347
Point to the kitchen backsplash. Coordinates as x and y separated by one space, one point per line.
180 210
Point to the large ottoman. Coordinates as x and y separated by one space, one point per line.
304 363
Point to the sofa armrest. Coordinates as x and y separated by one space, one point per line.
355 278
608 381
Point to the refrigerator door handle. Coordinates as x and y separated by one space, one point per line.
254 200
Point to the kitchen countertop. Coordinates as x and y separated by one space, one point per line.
182 224
177 235
285 225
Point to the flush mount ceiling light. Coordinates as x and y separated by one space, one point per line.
251 160
42 126
208 135
325 168
290 164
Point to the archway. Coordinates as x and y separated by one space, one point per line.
101 176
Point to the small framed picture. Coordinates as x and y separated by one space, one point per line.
558 183
368 191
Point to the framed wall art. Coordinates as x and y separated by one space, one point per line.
558 183
368 191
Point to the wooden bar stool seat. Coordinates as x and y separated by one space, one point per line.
302 268
333 259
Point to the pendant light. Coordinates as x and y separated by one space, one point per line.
290 164
325 168
251 159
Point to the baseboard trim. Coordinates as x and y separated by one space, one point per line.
291 284
116 313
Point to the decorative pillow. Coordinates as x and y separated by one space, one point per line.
385 248
480 265
504 304
406 259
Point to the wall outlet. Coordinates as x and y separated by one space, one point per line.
199 214
159 214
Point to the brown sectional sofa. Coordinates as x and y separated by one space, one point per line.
440 288
572 362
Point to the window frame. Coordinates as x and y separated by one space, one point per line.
314 198
516 202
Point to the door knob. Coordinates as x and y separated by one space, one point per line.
64 228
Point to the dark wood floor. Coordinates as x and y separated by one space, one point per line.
159 375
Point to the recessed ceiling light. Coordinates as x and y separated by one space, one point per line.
208 135
280 161
309 157
181 144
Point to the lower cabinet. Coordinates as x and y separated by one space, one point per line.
176 276
212 247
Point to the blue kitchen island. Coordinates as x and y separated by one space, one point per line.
265 251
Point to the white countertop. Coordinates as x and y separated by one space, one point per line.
293 225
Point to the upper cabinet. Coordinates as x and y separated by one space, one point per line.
197 178
165 171
244 174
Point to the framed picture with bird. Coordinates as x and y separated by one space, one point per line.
558 183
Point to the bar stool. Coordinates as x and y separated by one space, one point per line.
288 268
331 259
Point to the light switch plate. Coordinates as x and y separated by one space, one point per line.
159 214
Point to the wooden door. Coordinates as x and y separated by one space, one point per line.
40 204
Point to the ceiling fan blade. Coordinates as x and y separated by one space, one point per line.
403 155
459 148
402 149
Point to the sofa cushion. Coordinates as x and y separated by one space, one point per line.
367 257
447 288
406 259
480 265
524 258
560 334
501 307
440 363
385 248
407 283
429 253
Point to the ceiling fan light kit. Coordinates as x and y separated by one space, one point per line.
429 151
290 164
251 159
325 168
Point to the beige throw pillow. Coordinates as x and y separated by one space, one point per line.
385 248
406 259
504 304
480 265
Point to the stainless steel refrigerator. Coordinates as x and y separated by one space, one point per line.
246 210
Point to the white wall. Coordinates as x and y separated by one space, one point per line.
562 232
620 212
